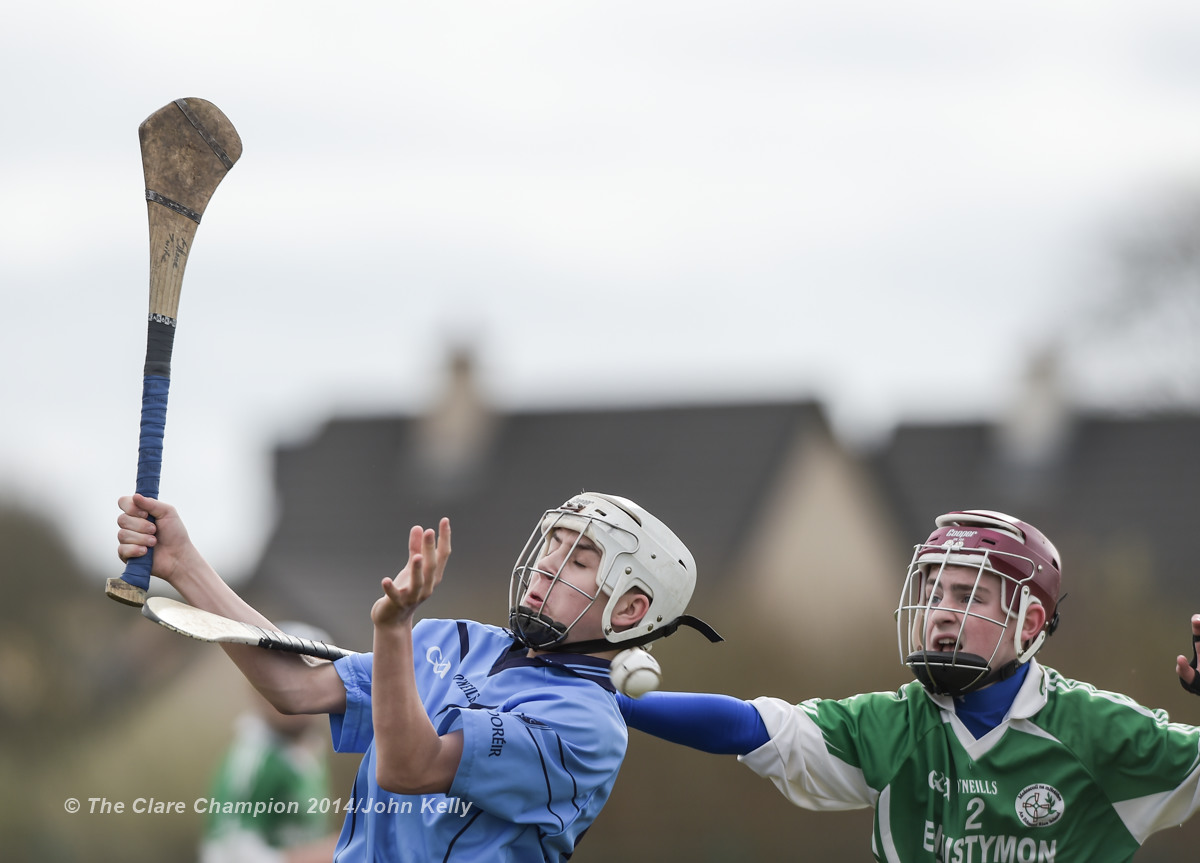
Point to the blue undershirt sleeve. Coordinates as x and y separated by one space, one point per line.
720 724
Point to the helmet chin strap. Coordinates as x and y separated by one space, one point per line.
956 674
539 632
534 629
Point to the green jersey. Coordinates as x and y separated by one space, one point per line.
1073 773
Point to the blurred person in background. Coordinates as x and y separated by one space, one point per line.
266 797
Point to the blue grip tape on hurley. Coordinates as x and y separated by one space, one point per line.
150 447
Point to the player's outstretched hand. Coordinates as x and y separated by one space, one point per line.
166 534
1187 669
427 556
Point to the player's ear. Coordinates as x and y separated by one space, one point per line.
1035 619
630 609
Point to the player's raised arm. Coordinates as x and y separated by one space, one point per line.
291 683
411 757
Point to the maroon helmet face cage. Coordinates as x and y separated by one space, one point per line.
1027 566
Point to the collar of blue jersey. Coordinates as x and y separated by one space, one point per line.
593 668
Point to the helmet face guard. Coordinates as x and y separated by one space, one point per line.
637 551
534 628
1003 554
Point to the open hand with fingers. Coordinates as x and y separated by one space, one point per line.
1188 675
427 556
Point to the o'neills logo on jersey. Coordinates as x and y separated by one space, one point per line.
1039 805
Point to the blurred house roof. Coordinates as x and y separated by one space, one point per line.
347 497
1111 481
738 482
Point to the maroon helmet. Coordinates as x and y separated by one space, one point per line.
1029 568
1016 549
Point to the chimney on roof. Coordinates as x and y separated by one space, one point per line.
455 434
1036 429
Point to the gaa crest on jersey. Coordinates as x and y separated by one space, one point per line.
440 664
940 783
1039 805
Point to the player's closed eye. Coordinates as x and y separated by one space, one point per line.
581 556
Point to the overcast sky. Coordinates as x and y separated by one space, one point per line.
885 205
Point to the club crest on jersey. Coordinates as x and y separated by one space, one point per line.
1039 805
440 664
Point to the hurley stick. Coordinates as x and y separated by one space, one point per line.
206 626
187 148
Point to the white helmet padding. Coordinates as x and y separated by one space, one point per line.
637 551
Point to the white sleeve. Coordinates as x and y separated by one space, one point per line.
1145 815
799 763
239 846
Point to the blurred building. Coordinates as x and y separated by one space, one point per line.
782 518
761 492
1112 490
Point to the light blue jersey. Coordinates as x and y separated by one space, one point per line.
542 743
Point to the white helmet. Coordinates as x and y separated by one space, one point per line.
637 551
